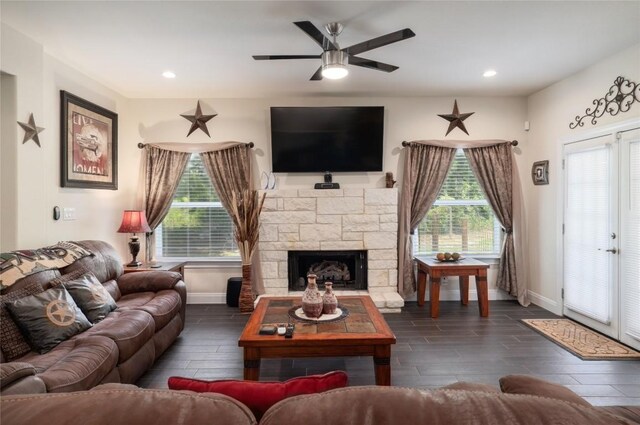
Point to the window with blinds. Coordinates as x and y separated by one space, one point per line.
630 247
461 219
197 225
587 267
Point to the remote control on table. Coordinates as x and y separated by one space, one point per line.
289 331
282 329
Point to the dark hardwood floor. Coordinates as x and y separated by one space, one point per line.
458 346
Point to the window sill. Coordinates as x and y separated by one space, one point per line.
191 263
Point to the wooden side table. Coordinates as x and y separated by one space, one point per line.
463 269
171 266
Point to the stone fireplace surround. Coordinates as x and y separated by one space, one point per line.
333 219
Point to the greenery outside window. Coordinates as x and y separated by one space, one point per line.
197 226
461 220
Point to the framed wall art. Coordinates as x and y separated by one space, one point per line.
540 172
89 144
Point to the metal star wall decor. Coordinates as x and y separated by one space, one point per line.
31 131
455 118
198 120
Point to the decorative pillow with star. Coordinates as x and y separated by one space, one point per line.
92 298
48 318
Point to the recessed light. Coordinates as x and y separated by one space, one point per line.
489 73
169 74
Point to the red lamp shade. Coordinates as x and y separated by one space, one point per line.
134 221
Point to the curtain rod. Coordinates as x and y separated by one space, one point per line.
405 143
142 145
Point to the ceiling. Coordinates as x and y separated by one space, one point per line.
209 44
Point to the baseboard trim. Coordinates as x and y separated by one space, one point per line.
450 295
206 298
546 303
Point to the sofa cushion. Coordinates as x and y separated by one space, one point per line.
369 405
92 298
105 263
260 396
130 330
471 386
12 342
524 384
162 305
126 405
76 364
48 318
60 280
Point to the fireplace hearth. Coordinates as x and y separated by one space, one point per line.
346 269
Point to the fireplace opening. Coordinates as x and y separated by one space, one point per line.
346 269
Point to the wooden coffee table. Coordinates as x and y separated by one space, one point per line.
463 269
363 332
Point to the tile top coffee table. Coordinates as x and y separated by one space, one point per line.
363 332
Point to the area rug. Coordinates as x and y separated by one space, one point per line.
582 341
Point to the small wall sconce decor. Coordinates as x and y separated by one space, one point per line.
540 172
134 221
621 95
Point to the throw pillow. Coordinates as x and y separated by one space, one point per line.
61 280
260 396
92 298
12 343
523 384
48 318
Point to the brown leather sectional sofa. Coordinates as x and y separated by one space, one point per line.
120 348
126 404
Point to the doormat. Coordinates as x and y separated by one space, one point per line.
581 341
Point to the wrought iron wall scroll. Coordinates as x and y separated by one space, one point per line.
622 94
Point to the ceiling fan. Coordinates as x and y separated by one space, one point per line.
334 59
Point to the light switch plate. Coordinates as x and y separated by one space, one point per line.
68 213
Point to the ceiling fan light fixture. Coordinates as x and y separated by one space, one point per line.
334 64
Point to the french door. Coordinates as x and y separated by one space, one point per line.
601 241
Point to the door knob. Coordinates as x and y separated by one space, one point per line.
612 250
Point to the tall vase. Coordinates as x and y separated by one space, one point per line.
246 293
329 300
312 299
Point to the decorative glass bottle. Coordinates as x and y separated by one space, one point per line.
312 299
329 300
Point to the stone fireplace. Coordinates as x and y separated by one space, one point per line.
329 221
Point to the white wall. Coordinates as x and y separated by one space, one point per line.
40 77
247 120
550 111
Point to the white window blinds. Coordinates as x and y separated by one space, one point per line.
587 266
630 243
461 219
197 226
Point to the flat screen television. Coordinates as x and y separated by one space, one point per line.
319 139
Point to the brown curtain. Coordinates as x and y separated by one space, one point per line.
163 170
230 171
425 169
494 168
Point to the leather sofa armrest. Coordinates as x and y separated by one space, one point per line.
151 281
19 378
13 371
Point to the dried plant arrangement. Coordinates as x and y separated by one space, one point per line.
245 213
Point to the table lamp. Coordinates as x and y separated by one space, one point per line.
134 221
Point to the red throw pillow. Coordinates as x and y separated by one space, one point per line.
260 396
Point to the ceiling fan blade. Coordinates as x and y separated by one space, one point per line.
383 40
317 76
368 63
315 34
278 57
